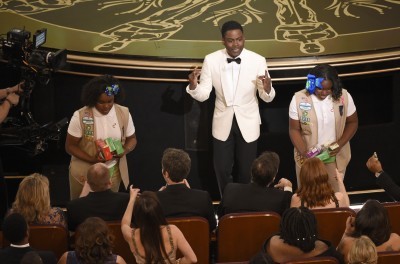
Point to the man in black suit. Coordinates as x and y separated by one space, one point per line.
260 194
177 198
15 230
383 179
97 199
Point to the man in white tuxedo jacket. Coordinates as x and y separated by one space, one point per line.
236 75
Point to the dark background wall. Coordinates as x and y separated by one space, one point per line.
165 116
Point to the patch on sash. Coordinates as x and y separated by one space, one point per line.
305 106
88 120
88 125
304 119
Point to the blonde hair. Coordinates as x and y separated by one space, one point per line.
363 251
33 198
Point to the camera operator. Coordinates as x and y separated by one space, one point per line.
10 98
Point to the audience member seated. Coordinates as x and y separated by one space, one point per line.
363 251
31 257
153 240
177 199
93 244
382 178
315 191
99 201
298 238
33 202
372 221
260 194
15 230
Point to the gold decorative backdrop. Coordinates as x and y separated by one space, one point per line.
190 28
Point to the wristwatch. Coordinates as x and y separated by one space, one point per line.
377 174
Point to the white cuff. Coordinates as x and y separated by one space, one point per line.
288 188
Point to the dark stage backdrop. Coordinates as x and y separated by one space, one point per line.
165 116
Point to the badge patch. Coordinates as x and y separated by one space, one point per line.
88 120
304 119
305 106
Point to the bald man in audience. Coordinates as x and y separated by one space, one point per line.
97 199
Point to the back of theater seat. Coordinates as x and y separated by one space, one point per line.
393 209
241 235
197 233
331 223
1 239
314 260
388 257
49 237
121 247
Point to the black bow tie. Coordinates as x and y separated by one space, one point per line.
237 60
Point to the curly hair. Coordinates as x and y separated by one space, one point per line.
177 163
94 242
298 228
33 198
329 73
315 189
373 221
149 217
97 86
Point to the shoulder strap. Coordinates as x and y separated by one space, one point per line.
335 200
134 242
171 241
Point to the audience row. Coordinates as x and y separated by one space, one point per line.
177 199
297 236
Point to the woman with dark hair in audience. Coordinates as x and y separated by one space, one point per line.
33 202
315 190
153 241
298 238
372 221
93 244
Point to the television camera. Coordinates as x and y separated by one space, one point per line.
35 67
